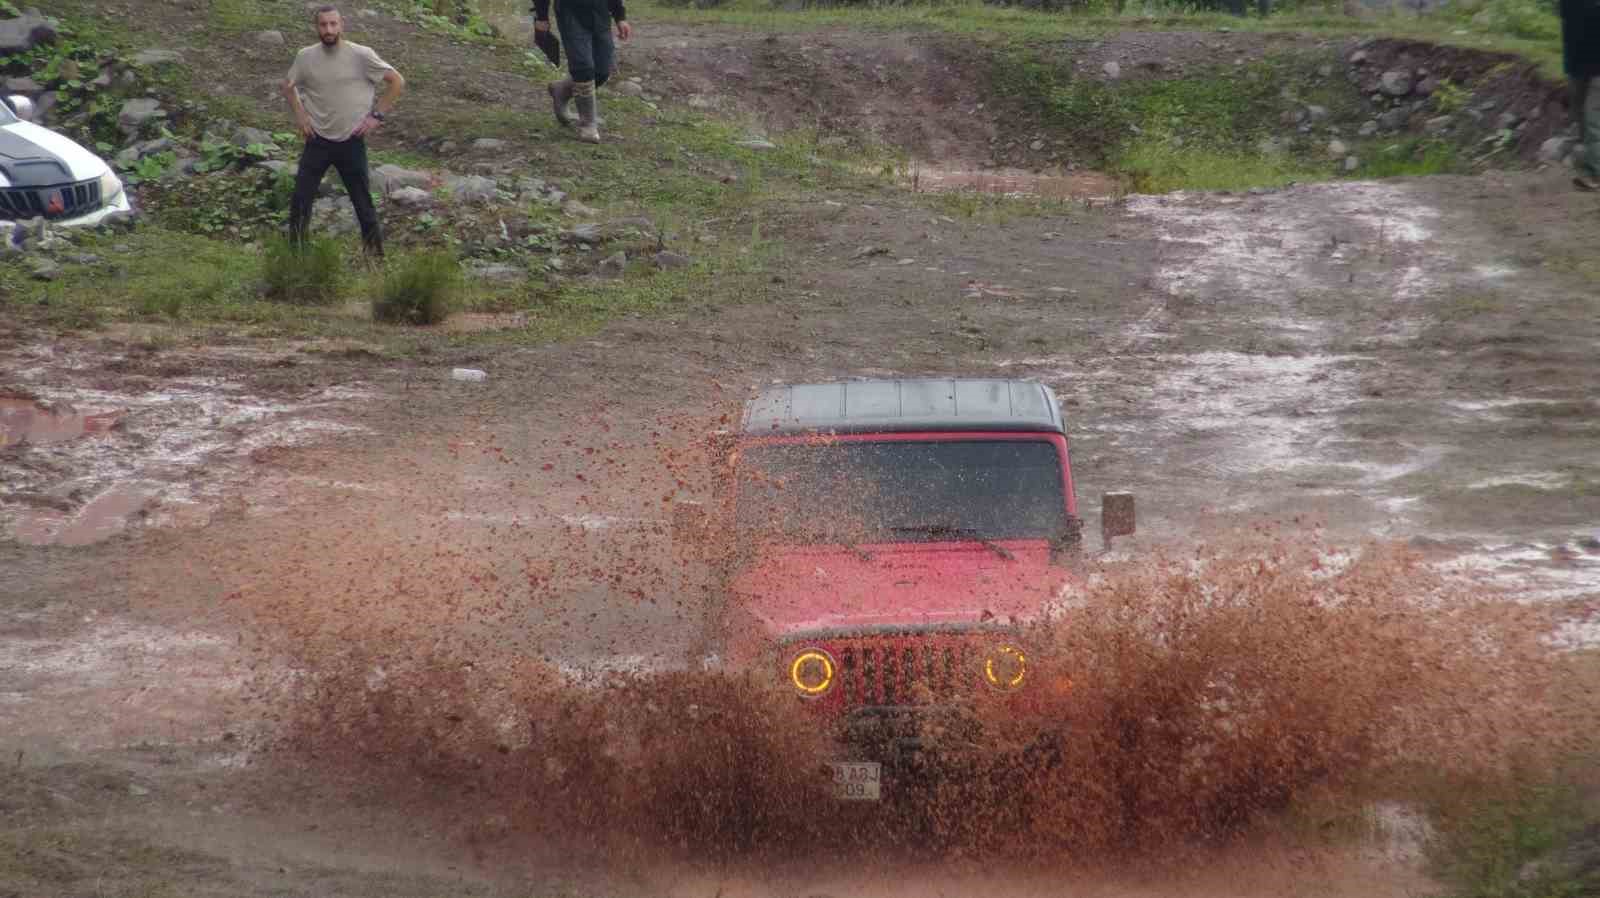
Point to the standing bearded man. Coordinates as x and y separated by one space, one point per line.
332 89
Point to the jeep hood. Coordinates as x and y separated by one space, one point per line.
824 588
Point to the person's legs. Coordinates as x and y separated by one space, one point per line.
351 161
605 50
314 162
1588 109
576 20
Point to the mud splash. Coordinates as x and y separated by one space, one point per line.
1201 697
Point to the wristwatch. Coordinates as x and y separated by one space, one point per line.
376 114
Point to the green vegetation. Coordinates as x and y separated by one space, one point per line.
310 275
1411 156
418 288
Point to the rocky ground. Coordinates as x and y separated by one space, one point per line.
1401 359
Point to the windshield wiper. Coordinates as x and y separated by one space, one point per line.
846 542
937 530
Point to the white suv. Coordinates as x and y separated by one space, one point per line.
46 175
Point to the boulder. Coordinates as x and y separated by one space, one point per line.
1337 148
136 112
26 31
613 266
1351 163
334 215
389 178
1426 86
157 57
411 197
270 38
666 260
630 89
1317 113
22 86
1395 83
244 137
1555 149
471 188
1394 119
488 143
1112 70
1438 124
1368 128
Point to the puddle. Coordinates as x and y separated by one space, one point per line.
26 421
103 517
1015 183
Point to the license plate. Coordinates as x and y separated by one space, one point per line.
857 780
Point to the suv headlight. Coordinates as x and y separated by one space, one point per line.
812 672
110 187
1005 667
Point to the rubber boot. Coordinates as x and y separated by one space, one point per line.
588 128
560 96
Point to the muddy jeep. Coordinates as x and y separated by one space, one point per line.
891 543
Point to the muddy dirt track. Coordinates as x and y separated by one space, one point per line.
1412 360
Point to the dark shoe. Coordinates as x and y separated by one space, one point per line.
560 96
1584 182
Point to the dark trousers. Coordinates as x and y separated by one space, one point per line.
585 27
350 158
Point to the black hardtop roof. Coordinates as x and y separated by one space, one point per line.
886 406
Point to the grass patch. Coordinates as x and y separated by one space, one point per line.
305 275
418 288
1411 157
1158 167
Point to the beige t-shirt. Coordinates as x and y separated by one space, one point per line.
337 85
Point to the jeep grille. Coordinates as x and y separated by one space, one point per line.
77 199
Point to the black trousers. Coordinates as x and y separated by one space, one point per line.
585 27
349 157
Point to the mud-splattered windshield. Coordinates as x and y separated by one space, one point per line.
902 491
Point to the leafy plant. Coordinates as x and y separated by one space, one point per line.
151 167
420 288
1451 97
216 155
308 273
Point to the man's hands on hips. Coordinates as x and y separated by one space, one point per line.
367 126
624 30
303 124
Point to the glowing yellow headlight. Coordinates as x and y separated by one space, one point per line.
1005 667
811 672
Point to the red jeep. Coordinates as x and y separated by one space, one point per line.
892 541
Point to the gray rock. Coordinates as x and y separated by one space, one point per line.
614 266
1325 71
158 57
84 259
471 188
1351 163
630 89
335 215
488 143
1112 70
553 197
136 112
1292 117
1438 124
1426 86
102 80
757 143
1317 113
497 272
26 31
369 14
584 233
1554 149
276 166
22 86
126 158
573 207
1358 57
1036 145
411 197
1507 120
1269 146
1395 83
389 178
1337 148
1368 128
270 38
121 248
119 221
43 269
666 260
244 137
1394 119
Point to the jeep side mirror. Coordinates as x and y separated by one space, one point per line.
689 521
22 106
1116 517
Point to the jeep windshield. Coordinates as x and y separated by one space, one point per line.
867 491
